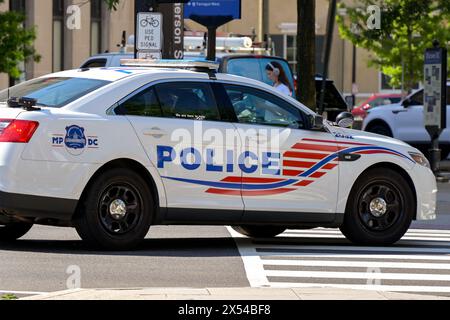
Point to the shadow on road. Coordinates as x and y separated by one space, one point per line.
176 247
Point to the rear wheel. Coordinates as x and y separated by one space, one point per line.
259 231
380 208
118 211
13 231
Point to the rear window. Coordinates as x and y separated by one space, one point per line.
255 68
53 92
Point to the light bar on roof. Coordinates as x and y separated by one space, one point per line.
177 64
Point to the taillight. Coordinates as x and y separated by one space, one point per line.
17 131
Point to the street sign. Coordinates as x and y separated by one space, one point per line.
435 89
208 8
149 55
149 31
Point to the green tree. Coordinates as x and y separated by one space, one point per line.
407 28
16 42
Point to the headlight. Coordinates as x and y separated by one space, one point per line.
420 159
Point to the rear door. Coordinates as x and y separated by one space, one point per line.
182 129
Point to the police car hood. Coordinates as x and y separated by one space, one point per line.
370 138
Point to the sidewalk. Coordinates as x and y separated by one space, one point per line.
230 294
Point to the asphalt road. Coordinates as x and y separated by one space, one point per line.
179 256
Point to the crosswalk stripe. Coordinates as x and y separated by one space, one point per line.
351 248
362 264
392 288
358 275
323 257
329 236
339 234
360 256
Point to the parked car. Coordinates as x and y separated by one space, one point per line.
376 100
405 121
245 65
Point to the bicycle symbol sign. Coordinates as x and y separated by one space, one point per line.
149 31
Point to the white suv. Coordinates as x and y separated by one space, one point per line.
405 122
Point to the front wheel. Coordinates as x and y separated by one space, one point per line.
14 231
380 208
118 211
259 231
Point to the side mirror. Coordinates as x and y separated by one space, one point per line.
316 122
345 120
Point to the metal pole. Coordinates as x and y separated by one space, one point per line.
212 33
326 59
354 76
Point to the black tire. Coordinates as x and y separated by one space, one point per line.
367 225
380 128
259 231
117 189
14 231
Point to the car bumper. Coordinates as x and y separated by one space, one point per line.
426 192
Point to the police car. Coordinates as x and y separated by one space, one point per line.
113 151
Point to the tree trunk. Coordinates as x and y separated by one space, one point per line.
306 52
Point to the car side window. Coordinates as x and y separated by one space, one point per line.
417 99
144 103
96 63
187 100
257 107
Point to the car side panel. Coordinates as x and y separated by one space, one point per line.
61 170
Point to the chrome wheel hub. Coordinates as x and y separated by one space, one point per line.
378 207
118 209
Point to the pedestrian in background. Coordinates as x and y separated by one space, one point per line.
276 73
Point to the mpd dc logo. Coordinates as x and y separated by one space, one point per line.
75 141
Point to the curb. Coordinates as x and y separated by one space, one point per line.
313 293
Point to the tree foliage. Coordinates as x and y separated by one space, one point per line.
16 42
407 28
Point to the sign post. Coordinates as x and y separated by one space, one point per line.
435 101
212 14
159 29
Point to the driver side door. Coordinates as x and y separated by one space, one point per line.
287 169
409 121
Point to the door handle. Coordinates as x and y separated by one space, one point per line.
258 138
154 132
398 111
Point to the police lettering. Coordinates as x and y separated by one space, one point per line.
192 159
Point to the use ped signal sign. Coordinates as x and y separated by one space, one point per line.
149 31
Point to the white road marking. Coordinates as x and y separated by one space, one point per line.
357 264
421 249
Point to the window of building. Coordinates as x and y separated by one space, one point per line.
96 26
58 35
386 87
290 52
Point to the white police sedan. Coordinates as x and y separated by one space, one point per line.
112 151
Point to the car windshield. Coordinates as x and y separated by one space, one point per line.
255 68
53 92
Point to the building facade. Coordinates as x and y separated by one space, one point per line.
69 31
